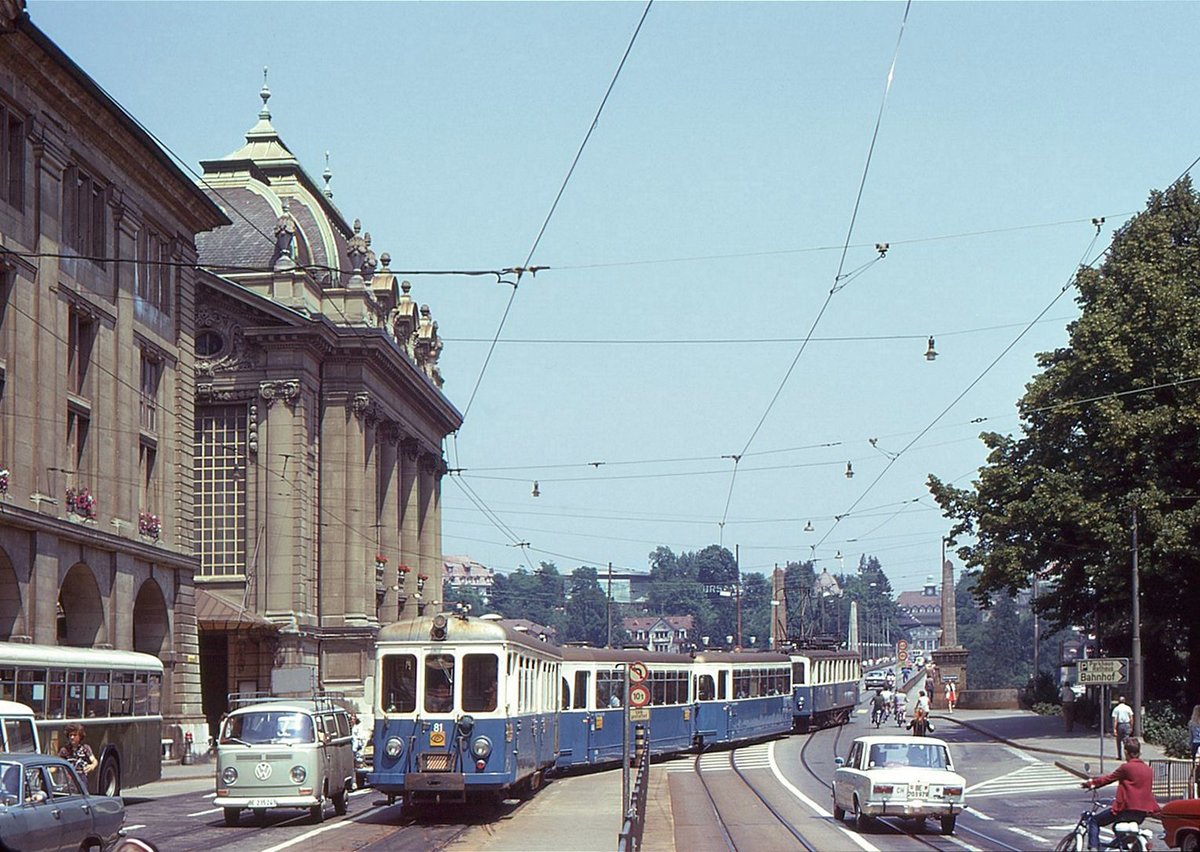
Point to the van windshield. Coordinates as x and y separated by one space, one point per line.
268 726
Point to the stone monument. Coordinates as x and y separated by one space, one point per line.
950 658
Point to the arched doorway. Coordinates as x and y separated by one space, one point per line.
151 631
80 610
11 622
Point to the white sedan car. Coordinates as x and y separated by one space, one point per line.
901 776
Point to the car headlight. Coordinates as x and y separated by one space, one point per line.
394 747
229 775
481 747
298 774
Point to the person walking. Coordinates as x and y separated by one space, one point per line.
1067 696
1135 793
922 708
1122 723
951 695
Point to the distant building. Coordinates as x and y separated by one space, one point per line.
627 587
925 607
465 572
667 633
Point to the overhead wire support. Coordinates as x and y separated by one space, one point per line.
526 267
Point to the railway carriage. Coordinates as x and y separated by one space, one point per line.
741 696
825 687
592 699
465 711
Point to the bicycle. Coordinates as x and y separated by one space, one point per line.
1127 835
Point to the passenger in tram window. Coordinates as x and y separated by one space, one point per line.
439 697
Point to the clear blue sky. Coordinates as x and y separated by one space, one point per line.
700 234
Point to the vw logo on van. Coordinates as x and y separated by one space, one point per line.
262 771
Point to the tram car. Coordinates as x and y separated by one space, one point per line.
593 699
825 687
741 696
466 711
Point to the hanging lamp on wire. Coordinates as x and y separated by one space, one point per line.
930 353
536 492
849 470
808 527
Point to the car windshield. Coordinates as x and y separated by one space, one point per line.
920 755
268 726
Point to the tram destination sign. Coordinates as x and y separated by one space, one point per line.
1106 671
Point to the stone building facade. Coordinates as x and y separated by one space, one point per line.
97 286
319 426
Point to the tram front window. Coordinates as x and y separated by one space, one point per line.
439 683
480 678
399 683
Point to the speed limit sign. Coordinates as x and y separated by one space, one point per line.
902 651
639 695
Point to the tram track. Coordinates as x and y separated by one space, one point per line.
722 822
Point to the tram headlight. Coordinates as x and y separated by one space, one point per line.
298 774
481 747
229 775
394 747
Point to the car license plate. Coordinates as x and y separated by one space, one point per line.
261 803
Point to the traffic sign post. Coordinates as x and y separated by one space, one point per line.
1104 671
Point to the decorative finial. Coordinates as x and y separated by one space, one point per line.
385 259
327 174
265 94
405 287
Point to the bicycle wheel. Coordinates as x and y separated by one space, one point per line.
1071 843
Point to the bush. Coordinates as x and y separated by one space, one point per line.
1164 726
1043 708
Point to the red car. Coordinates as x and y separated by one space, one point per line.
1181 824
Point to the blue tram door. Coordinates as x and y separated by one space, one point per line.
714 712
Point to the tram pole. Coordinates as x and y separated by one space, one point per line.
625 744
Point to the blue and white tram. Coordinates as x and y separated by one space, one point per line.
592 699
741 696
465 711
825 687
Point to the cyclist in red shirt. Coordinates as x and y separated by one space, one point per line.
1135 794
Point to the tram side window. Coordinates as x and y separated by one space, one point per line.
481 677
581 689
439 683
798 673
610 688
705 690
565 695
399 683
722 689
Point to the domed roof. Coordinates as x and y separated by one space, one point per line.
261 187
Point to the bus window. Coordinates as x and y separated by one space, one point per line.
155 694
94 693
439 683
31 690
56 696
141 695
120 696
74 694
480 677
399 683
8 684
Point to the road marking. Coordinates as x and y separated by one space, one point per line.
205 813
981 815
328 827
1028 758
820 811
1034 778
1028 834
132 827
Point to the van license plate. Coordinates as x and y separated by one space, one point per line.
261 803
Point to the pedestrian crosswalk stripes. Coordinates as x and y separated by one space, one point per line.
1034 778
753 757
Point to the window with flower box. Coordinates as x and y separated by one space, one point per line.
79 424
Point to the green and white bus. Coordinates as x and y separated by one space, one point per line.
115 695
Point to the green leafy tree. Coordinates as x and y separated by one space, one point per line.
1112 422
468 595
675 588
756 610
587 608
717 573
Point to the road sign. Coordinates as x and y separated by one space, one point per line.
902 651
639 714
638 672
639 695
1109 671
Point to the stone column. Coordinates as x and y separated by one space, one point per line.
950 658
277 557
360 512
427 543
410 529
389 517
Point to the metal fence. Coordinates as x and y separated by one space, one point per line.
1173 779
632 829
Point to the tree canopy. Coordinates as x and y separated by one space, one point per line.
1110 426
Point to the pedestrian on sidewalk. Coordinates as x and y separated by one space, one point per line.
922 708
1135 793
951 695
1194 731
1067 696
1122 723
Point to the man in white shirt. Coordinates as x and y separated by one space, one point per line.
1122 723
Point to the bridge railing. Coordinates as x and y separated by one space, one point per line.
634 826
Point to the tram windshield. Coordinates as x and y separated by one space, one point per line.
399 683
439 683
